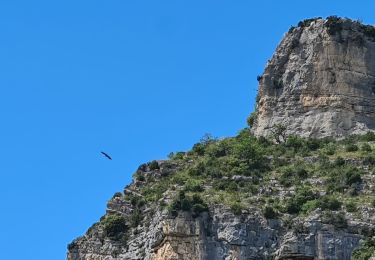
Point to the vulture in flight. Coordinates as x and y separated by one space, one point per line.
106 155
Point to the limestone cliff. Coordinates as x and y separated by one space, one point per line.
320 81
221 233
248 197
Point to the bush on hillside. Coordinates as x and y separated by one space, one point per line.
269 212
333 25
365 250
114 226
154 165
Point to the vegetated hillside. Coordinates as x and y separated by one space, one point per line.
266 193
300 186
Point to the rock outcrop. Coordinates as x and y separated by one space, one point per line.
321 81
251 198
222 235
219 233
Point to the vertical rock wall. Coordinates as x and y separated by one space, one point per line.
320 81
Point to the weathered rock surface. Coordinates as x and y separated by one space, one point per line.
223 235
320 81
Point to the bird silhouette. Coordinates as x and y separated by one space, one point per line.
106 155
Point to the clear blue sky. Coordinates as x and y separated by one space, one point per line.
137 79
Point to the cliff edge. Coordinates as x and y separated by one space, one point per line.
321 81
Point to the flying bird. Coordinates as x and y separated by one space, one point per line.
106 155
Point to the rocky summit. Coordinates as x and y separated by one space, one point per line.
299 183
320 81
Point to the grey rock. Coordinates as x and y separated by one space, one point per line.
318 84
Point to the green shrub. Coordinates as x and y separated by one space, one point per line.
114 226
351 148
369 160
185 204
197 170
292 174
154 165
351 139
369 31
309 206
195 204
341 178
218 149
176 156
295 142
368 137
333 25
307 22
366 147
365 250
236 208
140 177
269 212
287 176
199 149
135 218
339 161
136 201
264 142
313 144
198 205
279 131
117 195
219 184
232 187
294 205
352 177
198 208
351 206
251 119
302 173
329 149
329 203
193 185
335 218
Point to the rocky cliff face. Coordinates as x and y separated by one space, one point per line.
320 81
220 233
248 197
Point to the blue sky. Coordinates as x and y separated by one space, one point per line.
137 79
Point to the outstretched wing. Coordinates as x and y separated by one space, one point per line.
106 155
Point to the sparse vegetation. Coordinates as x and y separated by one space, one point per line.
114 226
241 172
236 208
369 31
269 212
154 165
233 169
335 218
307 22
365 250
333 25
251 119
194 203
